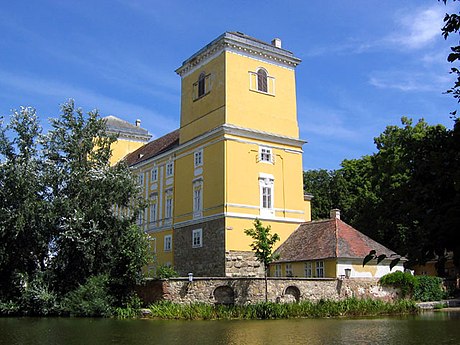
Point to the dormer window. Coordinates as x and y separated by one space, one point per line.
262 80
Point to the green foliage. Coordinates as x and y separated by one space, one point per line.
262 246
263 242
452 26
90 299
405 281
57 226
406 195
38 298
270 310
429 289
131 310
165 272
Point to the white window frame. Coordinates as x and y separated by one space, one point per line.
154 174
267 194
266 154
320 269
140 218
288 269
198 158
169 205
141 179
277 270
254 82
168 243
197 238
153 208
197 198
309 269
169 169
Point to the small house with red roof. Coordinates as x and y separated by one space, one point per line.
328 249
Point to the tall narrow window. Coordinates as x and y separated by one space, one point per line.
308 270
154 174
153 208
141 179
289 270
167 243
198 158
201 84
169 205
198 198
169 169
319 269
266 197
277 270
266 184
262 84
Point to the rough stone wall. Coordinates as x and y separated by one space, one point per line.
203 261
252 290
242 264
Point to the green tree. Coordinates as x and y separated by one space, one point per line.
263 247
452 26
24 212
88 238
57 222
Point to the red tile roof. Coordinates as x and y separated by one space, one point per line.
324 239
153 148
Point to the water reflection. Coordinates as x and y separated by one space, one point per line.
441 327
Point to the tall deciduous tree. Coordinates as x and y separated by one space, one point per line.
24 210
57 198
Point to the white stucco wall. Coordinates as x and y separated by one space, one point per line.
370 270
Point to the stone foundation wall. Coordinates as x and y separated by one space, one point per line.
242 264
251 290
209 259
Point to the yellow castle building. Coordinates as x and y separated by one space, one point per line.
236 157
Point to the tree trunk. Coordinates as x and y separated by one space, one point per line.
266 285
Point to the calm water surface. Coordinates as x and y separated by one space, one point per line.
442 327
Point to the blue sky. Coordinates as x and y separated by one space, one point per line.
364 63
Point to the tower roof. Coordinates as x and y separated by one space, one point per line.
243 44
125 130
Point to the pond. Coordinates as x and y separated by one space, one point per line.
439 327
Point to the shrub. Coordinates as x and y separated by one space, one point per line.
165 272
90 299
38 298
131 309
406 282
428 289
9 307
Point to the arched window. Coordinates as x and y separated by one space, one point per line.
201 84
262 84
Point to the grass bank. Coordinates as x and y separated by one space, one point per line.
306 309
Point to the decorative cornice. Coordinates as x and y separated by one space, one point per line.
238 42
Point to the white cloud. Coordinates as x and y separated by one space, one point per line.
417 29
409 81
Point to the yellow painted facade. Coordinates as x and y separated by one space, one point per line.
239 157
326 268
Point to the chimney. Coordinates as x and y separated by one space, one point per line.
276 42
335 213
138 123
